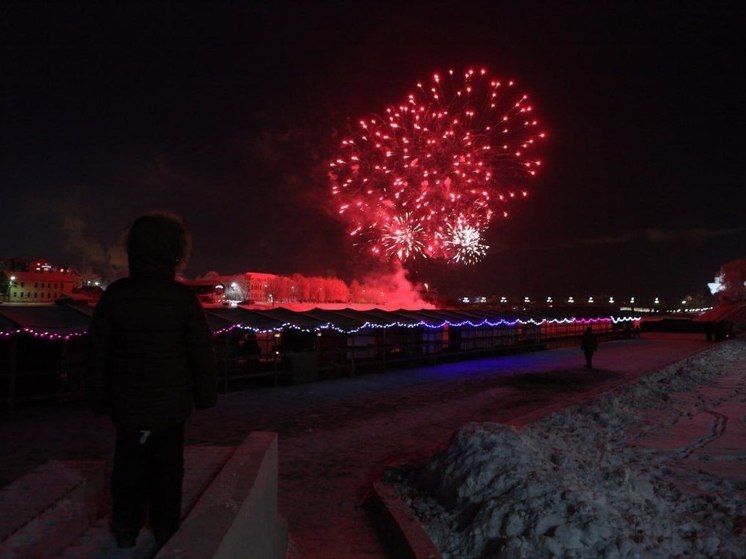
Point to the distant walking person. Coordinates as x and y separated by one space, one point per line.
150 360
589 344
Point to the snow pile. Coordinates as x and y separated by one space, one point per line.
572 486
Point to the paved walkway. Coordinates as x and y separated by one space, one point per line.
336 437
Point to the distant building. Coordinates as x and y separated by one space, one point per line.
215 289
209 290
250 287
39 283
258 286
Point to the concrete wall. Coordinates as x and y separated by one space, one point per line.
237 516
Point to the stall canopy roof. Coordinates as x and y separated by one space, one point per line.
53 319
64 320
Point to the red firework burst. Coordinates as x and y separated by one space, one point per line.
444 162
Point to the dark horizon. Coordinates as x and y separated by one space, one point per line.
229 116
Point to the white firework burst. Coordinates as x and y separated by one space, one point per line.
464 243
403 237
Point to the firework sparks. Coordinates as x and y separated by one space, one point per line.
464 243
456 152
402 237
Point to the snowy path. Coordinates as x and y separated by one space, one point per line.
338 436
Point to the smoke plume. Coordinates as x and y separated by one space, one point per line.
393 290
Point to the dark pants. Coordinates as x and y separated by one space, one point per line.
148 472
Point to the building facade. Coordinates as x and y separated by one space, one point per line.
38 286
258 286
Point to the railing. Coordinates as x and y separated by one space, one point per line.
428 348
38 370
331 354
33 369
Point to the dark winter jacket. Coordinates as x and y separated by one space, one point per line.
150 354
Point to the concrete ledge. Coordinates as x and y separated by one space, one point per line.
201 465
402 530
237 515
45 510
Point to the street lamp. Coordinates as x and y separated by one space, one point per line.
10 287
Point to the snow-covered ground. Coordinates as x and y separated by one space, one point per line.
339 436
654 469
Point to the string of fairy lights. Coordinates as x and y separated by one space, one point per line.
367 326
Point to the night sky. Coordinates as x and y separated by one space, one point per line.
228 114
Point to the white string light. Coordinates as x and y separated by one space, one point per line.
486 323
